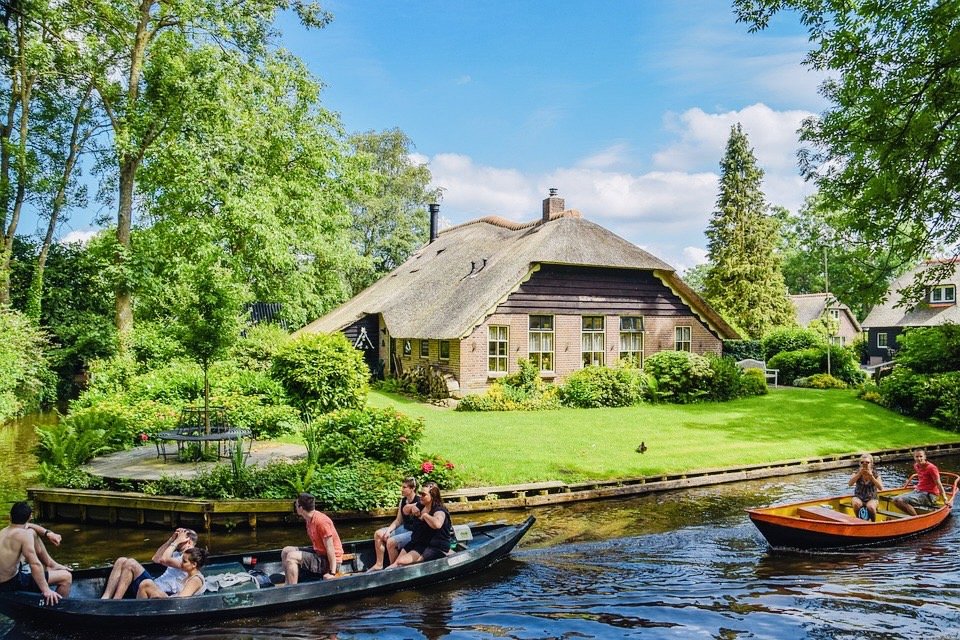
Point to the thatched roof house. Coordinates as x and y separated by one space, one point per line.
560 290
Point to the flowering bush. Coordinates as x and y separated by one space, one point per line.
433 468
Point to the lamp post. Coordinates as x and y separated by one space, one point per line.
826 303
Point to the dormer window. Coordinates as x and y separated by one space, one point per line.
943 294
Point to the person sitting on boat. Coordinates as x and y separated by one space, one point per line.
324 557
128 574
866 485
392 538
929 486
24 539
191 584
433 534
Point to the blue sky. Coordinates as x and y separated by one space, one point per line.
625 107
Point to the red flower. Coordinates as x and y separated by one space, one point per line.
449 465
144 437
426 467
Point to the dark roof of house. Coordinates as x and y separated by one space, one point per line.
450 286
889 314
810 306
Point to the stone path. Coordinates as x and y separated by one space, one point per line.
142 463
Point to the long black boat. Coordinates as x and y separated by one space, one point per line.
478 548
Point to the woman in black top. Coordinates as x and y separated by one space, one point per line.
391 539
432 534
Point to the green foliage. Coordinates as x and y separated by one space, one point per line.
726 381
322 373
821 381
933 397
523 390
744 281
25 380
882 154
434 468
350 435
783 339
754 383
743 350
174 383
255 349
265 420
930 349
792 365
682 377
69 477
70 444
155 343
603 387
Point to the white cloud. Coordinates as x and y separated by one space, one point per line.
464 79
81 236
665 211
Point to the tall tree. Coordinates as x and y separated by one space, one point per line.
887 152
264 174
745 281
141 56
390 216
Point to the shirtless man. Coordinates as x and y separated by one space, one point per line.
128 574
23 539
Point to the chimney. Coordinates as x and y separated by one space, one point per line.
552 204
434 215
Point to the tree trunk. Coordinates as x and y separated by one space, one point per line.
124 296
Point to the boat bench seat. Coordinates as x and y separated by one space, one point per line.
825 514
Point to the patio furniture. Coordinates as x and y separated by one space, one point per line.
771 375
191 429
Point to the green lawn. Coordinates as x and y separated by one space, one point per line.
584 444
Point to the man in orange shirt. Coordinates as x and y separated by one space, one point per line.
929 486
324 556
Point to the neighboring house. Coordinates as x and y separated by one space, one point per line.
886 321
812 306
560 291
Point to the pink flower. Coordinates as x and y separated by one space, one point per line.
449 465
426 467
144 437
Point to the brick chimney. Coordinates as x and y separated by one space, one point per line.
552 204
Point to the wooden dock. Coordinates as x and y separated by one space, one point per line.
137 509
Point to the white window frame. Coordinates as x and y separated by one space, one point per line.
943 294
632 334
592 341
539 338
498 348
835 314
680 340
882 340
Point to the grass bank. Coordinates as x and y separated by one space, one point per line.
592 444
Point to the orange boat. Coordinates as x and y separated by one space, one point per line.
830 523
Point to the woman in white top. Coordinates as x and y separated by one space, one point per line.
191 584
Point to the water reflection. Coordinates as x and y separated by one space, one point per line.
673 565
18 466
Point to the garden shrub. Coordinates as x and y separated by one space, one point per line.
255 349
743 349
796 364
754 383
69 445
174 383
784 339
231 377
933 397
930 349
108 377
434 468
603 387
68 478
322 373
523 390
726 383
825 381
682 377
264 420
385 435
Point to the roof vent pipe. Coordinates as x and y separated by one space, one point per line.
434 215
552 204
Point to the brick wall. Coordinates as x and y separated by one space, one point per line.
658 336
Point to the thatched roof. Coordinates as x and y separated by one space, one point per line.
448 287
888 314
810 306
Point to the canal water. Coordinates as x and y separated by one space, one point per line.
673 565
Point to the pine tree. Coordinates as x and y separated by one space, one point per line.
745 280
